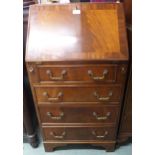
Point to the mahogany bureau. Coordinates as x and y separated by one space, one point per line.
77 61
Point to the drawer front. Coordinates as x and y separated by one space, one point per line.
78 114
79 133
107 73
70 93
104 73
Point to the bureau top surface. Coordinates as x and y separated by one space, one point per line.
76 32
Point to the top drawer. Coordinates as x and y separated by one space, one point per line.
106 73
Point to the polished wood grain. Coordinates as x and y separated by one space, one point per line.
78 73
79 133
71 93
67 59
94 34
106 144
66 114
106 73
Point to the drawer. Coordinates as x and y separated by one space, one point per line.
79 133
105 73
71 93
78 114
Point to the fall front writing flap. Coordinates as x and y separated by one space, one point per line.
77 31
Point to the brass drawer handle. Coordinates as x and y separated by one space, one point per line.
100 136
60 94
31 69
103 98
58 136
90 73
49 73
102 117
55 117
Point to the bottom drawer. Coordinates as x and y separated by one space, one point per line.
79 133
